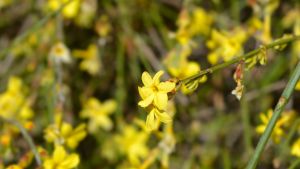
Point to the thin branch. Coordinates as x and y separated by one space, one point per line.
277 112
278 42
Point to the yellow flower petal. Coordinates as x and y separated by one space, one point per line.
48 164
151 121
264 119
161 100
157 77
145 92
71 161
163 116
109 106
146 102
260 129
59 154
146 79
166 86
66 129
104 122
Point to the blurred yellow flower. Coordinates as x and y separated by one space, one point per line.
61 159
62 133
225 45
13 102
132 143
98 113
103 26
60 53
278 130
90 59
295 149
69 11
190 25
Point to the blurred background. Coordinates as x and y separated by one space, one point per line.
70 71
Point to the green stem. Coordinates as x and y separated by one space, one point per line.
278 42
27 138
33 29
277 112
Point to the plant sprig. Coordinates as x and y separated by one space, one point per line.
278 42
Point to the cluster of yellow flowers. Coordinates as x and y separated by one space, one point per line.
191 24
154 96
14 104
194 23
225 45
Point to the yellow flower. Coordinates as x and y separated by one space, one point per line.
155 97
90 62
60 53
69 11
61 160
62 133
295 149
278 130
98 113
132 143
155 92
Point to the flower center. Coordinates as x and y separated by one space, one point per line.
154 88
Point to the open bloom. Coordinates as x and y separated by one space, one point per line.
61 160
155 92
155 97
